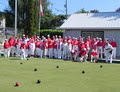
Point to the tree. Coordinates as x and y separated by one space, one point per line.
118 10
28 16
94 11
82 11
58 21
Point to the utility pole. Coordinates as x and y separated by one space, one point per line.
15 17
66 7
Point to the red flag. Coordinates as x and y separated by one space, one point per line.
41 9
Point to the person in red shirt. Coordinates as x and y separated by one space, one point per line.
60 47
89 40
55 51
41 49
69 39
6 49
81 46
100 48
75 48
69 50
51 49
82 57
22 54
18 45
114 45
37 45
94 44
12 45
48 39
94 56
104 44
46 48
27 49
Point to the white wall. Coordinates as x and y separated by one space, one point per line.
72 33
114 34
107 34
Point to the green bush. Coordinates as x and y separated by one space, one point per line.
50 32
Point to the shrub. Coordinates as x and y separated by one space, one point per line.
50 32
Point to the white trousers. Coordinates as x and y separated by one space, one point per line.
50 53
18 52
26 52
55 53
38 51
59 53
114 53
69 55
32 51
45 52
100 51
64 55
7 53
108 57
23 54
12 50
41 53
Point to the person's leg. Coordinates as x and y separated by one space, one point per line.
91 58
5 53
56 52
114 53
24 56
101 52
41 54
85 58
8 52
49 53
59 54
110 58
107 58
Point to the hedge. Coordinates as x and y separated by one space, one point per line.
50 32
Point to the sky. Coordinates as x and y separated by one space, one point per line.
57 6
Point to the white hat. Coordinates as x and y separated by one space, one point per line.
84 49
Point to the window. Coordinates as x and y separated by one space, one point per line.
93 34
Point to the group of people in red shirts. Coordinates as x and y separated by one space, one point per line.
70 48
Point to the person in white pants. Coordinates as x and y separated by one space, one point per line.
109 52
69 50
32 48
38 48
55 50
6 49
22 52
18 45
114 45
41 49
100 48
60 47
51 49
65 45
26 49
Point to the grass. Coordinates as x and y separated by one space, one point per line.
67 78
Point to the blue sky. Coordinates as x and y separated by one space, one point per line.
75 5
